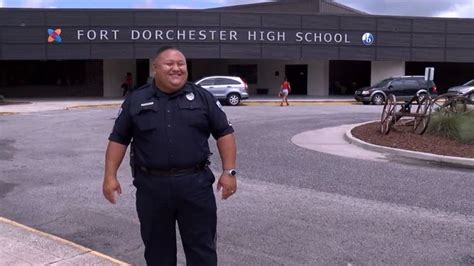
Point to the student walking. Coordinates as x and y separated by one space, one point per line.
285 89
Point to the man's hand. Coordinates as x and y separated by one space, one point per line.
109 187
228 184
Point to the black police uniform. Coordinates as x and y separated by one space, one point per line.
170 145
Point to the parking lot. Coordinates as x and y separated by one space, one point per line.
294 206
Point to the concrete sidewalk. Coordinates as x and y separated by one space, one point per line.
339 141
12 106
26 105
22 245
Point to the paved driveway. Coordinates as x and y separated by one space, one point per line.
294 206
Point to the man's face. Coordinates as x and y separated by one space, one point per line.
171 72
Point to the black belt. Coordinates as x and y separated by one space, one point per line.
174 171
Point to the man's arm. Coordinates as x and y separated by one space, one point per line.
227 151
113 158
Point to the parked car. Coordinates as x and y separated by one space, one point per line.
403 87
226 88
467 89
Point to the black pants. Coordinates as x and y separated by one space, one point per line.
189 200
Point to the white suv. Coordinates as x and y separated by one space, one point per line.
228 88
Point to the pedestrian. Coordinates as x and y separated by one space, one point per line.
127 84
168 124
285 89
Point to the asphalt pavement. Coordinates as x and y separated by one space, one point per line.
25 245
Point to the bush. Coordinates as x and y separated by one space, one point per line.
456 126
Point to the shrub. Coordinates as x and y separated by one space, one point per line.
456 126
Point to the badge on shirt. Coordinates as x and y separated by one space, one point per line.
190 96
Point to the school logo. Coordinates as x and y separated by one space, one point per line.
368 38
54 35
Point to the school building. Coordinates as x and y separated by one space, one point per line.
323 47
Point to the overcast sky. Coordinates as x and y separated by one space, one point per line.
435 8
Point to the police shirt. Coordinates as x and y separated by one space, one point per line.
170 131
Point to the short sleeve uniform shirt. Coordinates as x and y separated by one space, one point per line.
170 131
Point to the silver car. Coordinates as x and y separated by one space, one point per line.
467 89
227 88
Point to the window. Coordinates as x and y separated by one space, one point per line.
222 81
396 83
207 82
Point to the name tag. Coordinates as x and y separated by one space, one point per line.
146 104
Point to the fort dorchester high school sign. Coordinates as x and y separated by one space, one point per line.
210 35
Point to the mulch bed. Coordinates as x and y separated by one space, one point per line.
404 139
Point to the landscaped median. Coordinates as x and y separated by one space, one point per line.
405 144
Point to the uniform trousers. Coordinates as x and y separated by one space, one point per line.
188 200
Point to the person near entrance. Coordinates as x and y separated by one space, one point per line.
285 89
127 84
168 124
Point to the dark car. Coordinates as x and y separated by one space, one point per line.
467 90
403 87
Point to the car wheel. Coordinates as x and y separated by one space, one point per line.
233 99
471 97
378 99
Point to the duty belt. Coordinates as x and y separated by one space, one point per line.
173 171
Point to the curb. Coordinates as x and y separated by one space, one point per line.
99 105
441 159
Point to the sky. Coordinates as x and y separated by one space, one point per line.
428 8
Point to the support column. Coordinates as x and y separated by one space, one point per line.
318 78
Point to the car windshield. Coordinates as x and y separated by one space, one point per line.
382 83
469 83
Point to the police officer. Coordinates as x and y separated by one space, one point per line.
169 123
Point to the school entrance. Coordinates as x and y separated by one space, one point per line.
298 77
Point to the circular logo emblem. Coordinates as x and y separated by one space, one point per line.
190 96
368 38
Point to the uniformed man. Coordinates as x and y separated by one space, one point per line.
169 123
